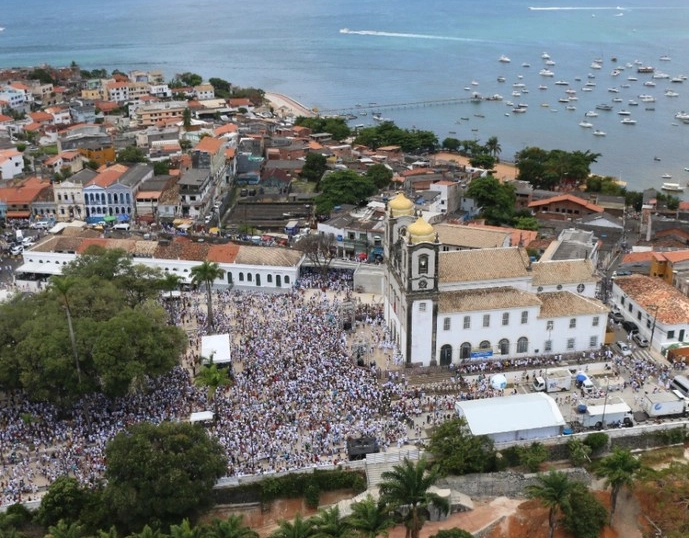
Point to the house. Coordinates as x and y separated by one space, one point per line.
358 232
69 195
113 191
148 197
196 190
563 207
209 154
444 306
148 114
11 163
204 91
70 161
18 198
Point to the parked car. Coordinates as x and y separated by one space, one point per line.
622 348
617 317
630 327
16 250
640 340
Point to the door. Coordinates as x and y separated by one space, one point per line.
258 279
446 355
278 281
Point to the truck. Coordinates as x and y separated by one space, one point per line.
605 412
665 404
554 380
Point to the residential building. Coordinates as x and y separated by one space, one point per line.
69 195
145 115
112 192
70 161
15 99
149 195
563 207
11 163
196 189
19 197
358 232
209 154
204 91
447 306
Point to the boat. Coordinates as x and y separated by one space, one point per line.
591 114
549 62
632 79
590 75
670 93
586 89
590 84
515 93
677 80
563 100
624 113
603 107
598 133
519 110
660 75
626 86
474 83
518 85
546 73
545 105
631 102
650 108
501 79
616 99
543 87
671 187
645 98
545 56
650 84
645 69
666 176
522 105
585 124
665 58
613 90
570 107
657 159
526 64
628 121
595 65
578 79
504 59
682 116
615 72
561 83
686 169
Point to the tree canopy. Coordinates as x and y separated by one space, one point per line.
388 134
343 187
131 154
380 174
337 127
458 451
495 199
314 167
161 473
548 169
95 328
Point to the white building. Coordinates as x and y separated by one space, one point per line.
445 307
516 417
11 163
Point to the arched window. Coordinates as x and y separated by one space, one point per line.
249 277
286 279
229 277
465 351
270 279
241 277
523 345
423 264
484 345
446 355
504 346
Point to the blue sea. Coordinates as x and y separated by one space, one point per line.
406 51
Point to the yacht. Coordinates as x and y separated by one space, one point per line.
501 79
616 99
604 107
632 79
598 133
613 90
645 98
666 176
545 56
546 73
665 58
660 75
649 83
677 80
624 113
670 93
587 89
526 64
591 114
585 124
595 65
590 84
671 187
631 102
628 121
571 107
561 83
549 62
543 87
682 116
474 83
504 59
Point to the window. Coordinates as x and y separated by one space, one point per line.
671 334
423 264
467 322
505 318
286 279
229 277
422 307
631 307
484 345
593 341
465 350
549 325
596 321
638 315
249 277
525 317
570 343
573 323
504 346
486 320
523 345
548 345
241 277
270 279
446 324
621 300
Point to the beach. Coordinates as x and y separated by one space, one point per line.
285 106
503 171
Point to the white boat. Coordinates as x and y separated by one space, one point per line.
543 87
525 64
591 114
624 113
665 58
686 169
613 90
504 59
474 83
631 102
545 56
660 75
585 124
628 121
632 79
677 80
586 89
649 83
615 72
603 106
570 107
598 133
519 110
595 65
546 73
670 93
515 93
666 176
645 98
518 85
549 62
616 99
683 116
561 83
672 187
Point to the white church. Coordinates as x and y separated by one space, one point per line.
444 306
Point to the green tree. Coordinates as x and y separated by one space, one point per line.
163 473
451 144
232 527
585 516
148 532
62 286
452 533
493 147
458 451
213 378
131 154
63 502
532 456
222 88
483 161
495 199
343 187
619 470
161 168
320 250
184 143
207 273
553 491
170 282
65 530
380 174
579 452
370 518
526 223
336 127
185 530
186 122
407 485
328 523
299 528
314 167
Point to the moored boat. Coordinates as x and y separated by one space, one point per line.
672 187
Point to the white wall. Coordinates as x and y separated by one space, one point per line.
421 331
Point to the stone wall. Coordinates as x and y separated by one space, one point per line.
505 484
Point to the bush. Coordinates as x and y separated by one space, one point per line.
511 456
579 452
531 457
596 441
674 436
312 496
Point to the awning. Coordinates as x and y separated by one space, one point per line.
40 268
214 231
122 218
109 218
18 214
362 255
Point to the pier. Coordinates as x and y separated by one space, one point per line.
370 107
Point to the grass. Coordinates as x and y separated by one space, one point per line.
661 455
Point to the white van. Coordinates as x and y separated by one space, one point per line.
121 226
587 386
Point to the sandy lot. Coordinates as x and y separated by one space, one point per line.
504 171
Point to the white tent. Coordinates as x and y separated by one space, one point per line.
216 346
201 416
498 381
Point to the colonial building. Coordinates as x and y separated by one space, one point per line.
449 306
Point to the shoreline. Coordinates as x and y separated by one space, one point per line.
283 105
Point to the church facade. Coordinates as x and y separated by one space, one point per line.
446 307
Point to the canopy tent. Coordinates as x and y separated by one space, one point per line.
581 377
109 218
498 382
122 217
201 416
216 346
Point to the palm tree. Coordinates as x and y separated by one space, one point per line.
328 524
170 282
207 273
406 486
369 518
62 530
148 532
618 469
62 286
232 527
299 528
553 492
185 530
213 377
110 533
493 147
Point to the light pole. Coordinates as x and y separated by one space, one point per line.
653 328
605 402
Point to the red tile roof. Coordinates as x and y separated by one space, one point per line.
209 144
567 198
108 176
671 306
223 253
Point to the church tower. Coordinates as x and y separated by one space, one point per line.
411 283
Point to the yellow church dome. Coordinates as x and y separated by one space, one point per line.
420 231
401 205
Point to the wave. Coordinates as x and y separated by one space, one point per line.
575 8
397 34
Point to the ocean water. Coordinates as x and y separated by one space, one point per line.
405 51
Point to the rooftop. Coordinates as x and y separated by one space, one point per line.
649 293
563 272
559 304
483 264
471 236
485 299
